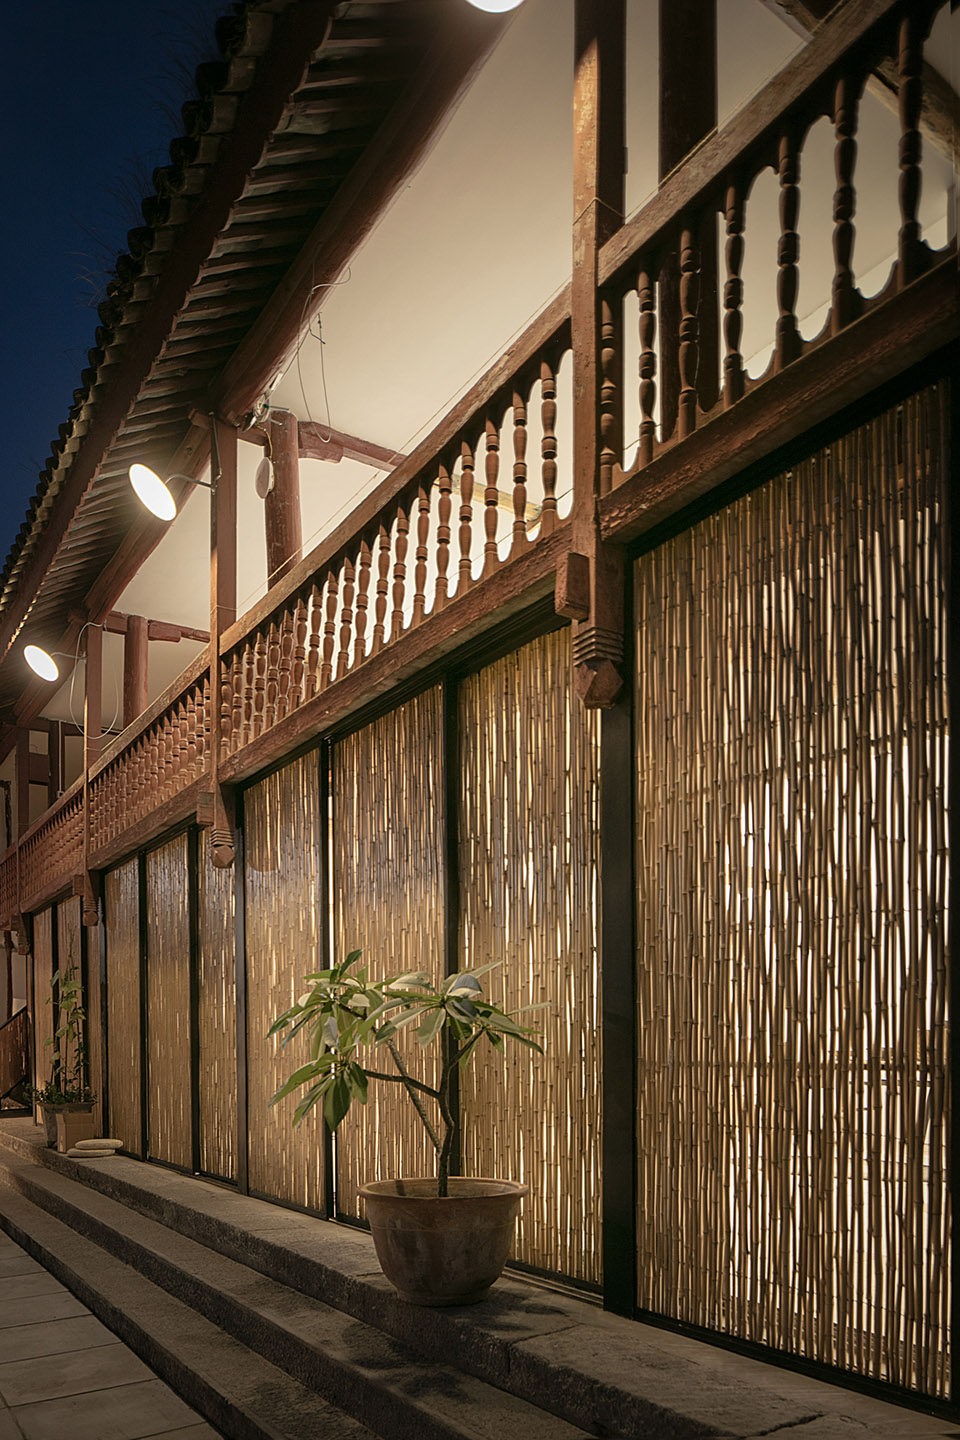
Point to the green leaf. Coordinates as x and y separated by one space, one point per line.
299 1077
462 984
430 1026
336 1102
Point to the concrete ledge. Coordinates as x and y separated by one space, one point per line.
609 1376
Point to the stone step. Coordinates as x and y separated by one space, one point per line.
371 1376
606 1375
237 1390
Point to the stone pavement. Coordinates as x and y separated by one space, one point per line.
64 1376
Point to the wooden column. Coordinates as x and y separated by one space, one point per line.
590 581
281 509
688 112
216 810
23 779
135 668
92 745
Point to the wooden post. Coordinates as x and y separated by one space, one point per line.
135 668
688 112
92 745
217 809
281 509
23 780
590 582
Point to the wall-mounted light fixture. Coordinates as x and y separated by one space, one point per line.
496 7
41 661
152 492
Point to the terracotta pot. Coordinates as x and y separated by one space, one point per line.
74 1122
49 1114
442 1252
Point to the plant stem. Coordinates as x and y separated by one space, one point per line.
443 1169
412 1086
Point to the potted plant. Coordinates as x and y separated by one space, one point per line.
440 1241
66 1100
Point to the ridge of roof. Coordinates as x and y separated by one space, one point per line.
242 35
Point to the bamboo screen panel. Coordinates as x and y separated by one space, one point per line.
792 869
217 1018
529 824
121 906
43 997
283 898
169 1124
387 861
69 957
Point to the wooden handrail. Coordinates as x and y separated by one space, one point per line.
796 87
14 1051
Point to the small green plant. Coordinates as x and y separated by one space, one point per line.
67 1084
344 1013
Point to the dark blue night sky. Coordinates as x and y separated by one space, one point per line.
91 100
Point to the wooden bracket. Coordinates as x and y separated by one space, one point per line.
18 930
86 886
216 812
572 594
598 638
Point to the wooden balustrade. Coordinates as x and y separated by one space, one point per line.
14 1051
827 79
410 553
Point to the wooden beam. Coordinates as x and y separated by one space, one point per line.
323 442
135 668
298 32
281 509
93 701
401 142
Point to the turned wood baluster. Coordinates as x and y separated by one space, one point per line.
788 276
346 616
399 572
259 683
383 587
176 750
444 509
249 685
910 259
226 706
329 630
845 299
154 767
733 297
236 683
519 539
363 601
689 333
286 663
420 554
611 438
299 653
190 754
491 497
316 624
465 536
201 716
273 676
647 296
548 446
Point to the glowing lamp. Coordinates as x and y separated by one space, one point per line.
152 492
41 663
